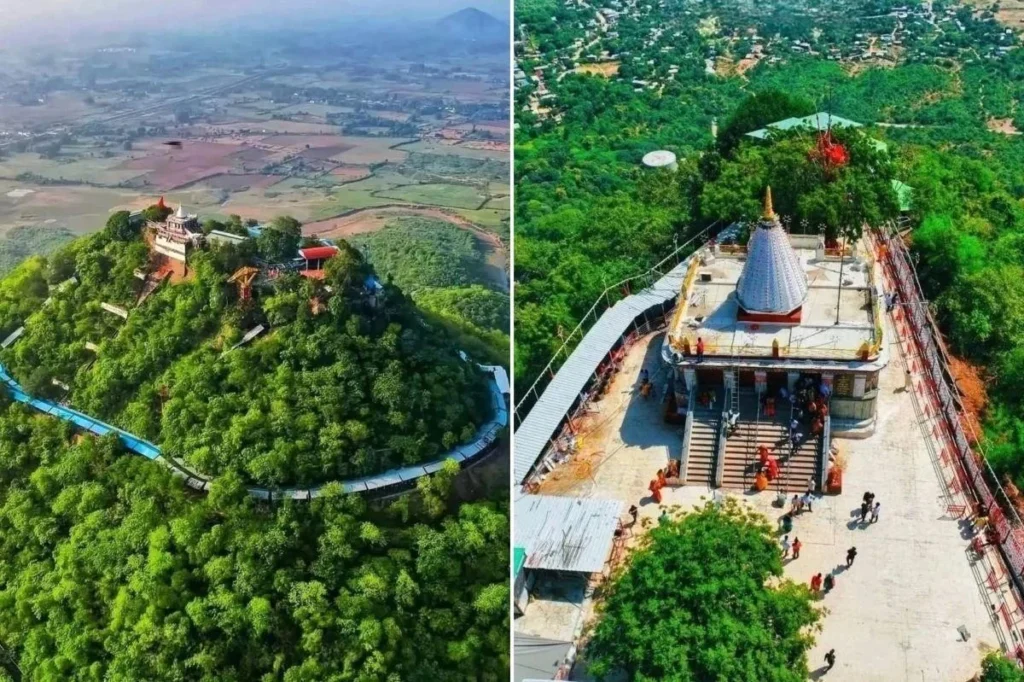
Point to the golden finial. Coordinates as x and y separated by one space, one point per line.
769 212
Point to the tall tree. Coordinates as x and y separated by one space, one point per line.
703 599
279 241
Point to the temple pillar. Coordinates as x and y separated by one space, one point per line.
859 383
689 378
760 382
791 379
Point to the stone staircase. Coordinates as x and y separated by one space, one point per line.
700 464
740 456
796 472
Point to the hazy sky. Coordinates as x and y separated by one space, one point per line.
23 19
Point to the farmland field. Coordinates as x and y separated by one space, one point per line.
95 170
435 147
237 154
236 183
273 126
457 196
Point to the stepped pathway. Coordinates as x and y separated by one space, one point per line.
799 471
486 435
741 447
700 464
740 455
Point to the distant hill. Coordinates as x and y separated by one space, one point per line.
473 24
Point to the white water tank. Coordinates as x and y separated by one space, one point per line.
660 159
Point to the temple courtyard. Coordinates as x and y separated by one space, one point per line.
898 612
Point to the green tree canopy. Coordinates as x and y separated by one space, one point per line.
279 241
997 668
704 599
812 197
156 214
120 227
758 110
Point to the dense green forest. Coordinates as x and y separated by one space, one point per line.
445 271
341 385
111 570
424 252
588 214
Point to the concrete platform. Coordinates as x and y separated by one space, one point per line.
894 615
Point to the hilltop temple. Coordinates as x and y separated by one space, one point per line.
780 310
175 238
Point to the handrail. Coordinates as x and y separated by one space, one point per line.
826 448
684 457
752 440
484 437
654 269
722 438
789 441
965 424
865 351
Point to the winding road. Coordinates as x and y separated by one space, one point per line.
387 481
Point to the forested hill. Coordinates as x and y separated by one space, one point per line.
343 384
112 569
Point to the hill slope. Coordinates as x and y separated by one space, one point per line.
339 387
473 24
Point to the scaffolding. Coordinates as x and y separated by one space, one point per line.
243 279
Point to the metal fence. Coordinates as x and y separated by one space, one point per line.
607 298
959 446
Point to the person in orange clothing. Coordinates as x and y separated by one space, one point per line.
760 481
772 469
762 454
816 583
655 490
700 349
662 481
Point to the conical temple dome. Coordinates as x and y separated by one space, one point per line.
773 280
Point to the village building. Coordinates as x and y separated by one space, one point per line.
313 258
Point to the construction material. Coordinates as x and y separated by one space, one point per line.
116 310
12 337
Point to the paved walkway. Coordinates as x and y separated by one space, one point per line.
894 615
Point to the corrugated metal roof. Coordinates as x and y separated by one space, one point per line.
532 436
538 658
318 252
819 121
566 533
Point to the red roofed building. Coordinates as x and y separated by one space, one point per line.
315 256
